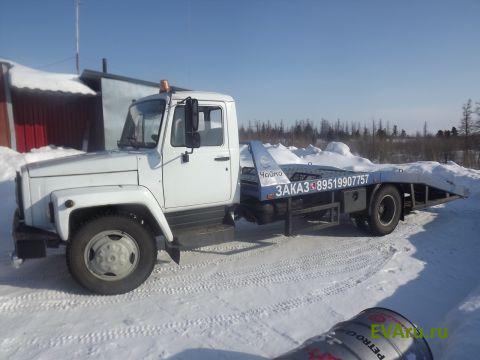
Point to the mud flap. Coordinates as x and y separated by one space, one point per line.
173 250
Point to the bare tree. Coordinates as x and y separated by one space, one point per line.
477 112
466 123
466 129
395 131
370 140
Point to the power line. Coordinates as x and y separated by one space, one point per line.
57 62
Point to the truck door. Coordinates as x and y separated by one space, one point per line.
205 178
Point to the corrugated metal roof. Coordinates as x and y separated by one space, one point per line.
23 77
92 78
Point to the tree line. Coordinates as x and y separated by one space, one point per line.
379 140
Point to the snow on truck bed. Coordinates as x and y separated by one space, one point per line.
338 155
260 295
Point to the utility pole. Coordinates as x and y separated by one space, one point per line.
77 36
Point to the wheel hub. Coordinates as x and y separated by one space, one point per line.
111 255
386 210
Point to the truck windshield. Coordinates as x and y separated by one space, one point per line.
142 127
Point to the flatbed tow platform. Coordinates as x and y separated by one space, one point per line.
272 192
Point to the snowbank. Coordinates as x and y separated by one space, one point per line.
282 154
309 150
339 148
463 324
10 160
336 154
25 77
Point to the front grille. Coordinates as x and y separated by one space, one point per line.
19 195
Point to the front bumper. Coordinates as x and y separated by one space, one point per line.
30 242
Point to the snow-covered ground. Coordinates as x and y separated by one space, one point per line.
261 295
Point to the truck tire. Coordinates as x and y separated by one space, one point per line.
385 209
111 255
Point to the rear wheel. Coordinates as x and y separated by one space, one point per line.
111 255
385 210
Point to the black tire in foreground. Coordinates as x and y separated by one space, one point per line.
385 210
111 254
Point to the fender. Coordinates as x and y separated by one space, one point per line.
370 206
101 196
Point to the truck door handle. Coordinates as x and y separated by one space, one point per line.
222 158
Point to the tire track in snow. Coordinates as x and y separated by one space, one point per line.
222 320
182 277
53 299
340 251
275 276
315 265
262 247
258 248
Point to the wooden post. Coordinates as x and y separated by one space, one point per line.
10 123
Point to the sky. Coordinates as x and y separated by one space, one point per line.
405 62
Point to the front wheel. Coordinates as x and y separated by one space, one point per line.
111 255
385 210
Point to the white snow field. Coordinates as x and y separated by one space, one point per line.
261 295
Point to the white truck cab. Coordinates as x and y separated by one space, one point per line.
155 172
181 179
176 181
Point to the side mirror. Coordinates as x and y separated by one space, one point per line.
195 141
191 115
192 140
192 137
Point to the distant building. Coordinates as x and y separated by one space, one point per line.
84 112
116 95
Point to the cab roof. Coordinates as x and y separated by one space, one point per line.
199 95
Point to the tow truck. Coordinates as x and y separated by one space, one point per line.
176 182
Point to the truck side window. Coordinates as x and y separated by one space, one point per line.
210 126
178 127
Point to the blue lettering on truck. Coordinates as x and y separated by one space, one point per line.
318 185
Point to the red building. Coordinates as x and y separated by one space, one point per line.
84 112
39 108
